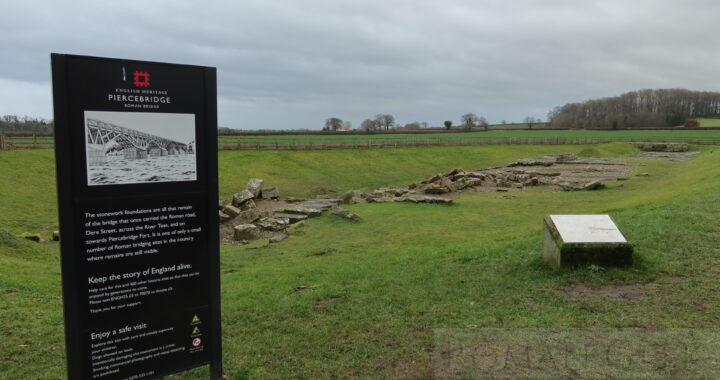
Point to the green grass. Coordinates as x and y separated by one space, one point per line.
378 288
704 122
32 140
518 131
492 134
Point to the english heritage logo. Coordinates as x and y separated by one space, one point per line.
141 79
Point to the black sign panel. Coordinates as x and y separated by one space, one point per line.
136 153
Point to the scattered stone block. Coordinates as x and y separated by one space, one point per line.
293 218
380 200
56 235
248 205
347 214
240 198
223 217
580 240
254 186
222 203
250 216
435 188
427 199
231 211
279 238
300 209
273 223
350 197
322 204
594 185
270 193
565 157
456 171
532 162
244 232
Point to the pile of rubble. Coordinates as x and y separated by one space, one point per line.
277 222
563 172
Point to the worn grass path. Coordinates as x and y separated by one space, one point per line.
377 289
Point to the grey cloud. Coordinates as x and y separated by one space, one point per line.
291 64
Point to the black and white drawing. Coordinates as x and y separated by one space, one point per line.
139 147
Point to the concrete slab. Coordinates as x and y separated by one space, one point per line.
578 240
587 229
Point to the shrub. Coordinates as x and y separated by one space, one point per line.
691 123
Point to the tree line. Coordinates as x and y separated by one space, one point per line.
13 123
386 122
643 108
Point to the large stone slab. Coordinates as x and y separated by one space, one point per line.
254 186
240 198
245 232
578 240
301 209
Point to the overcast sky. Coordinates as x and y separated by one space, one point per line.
291 64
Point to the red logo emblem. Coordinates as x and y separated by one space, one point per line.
141 79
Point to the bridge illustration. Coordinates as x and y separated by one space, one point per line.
104 138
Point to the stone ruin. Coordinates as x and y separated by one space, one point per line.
564 172
251 222
257 211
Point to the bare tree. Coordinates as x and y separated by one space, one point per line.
368 125
469 120
386 121
333 124
13 123
529 120
482 121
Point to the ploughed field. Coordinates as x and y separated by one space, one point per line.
364 299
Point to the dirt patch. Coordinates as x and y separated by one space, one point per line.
325 302
322 252
634 292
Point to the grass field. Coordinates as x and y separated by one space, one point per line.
378 289
451 138
709 122
648 135
517 126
